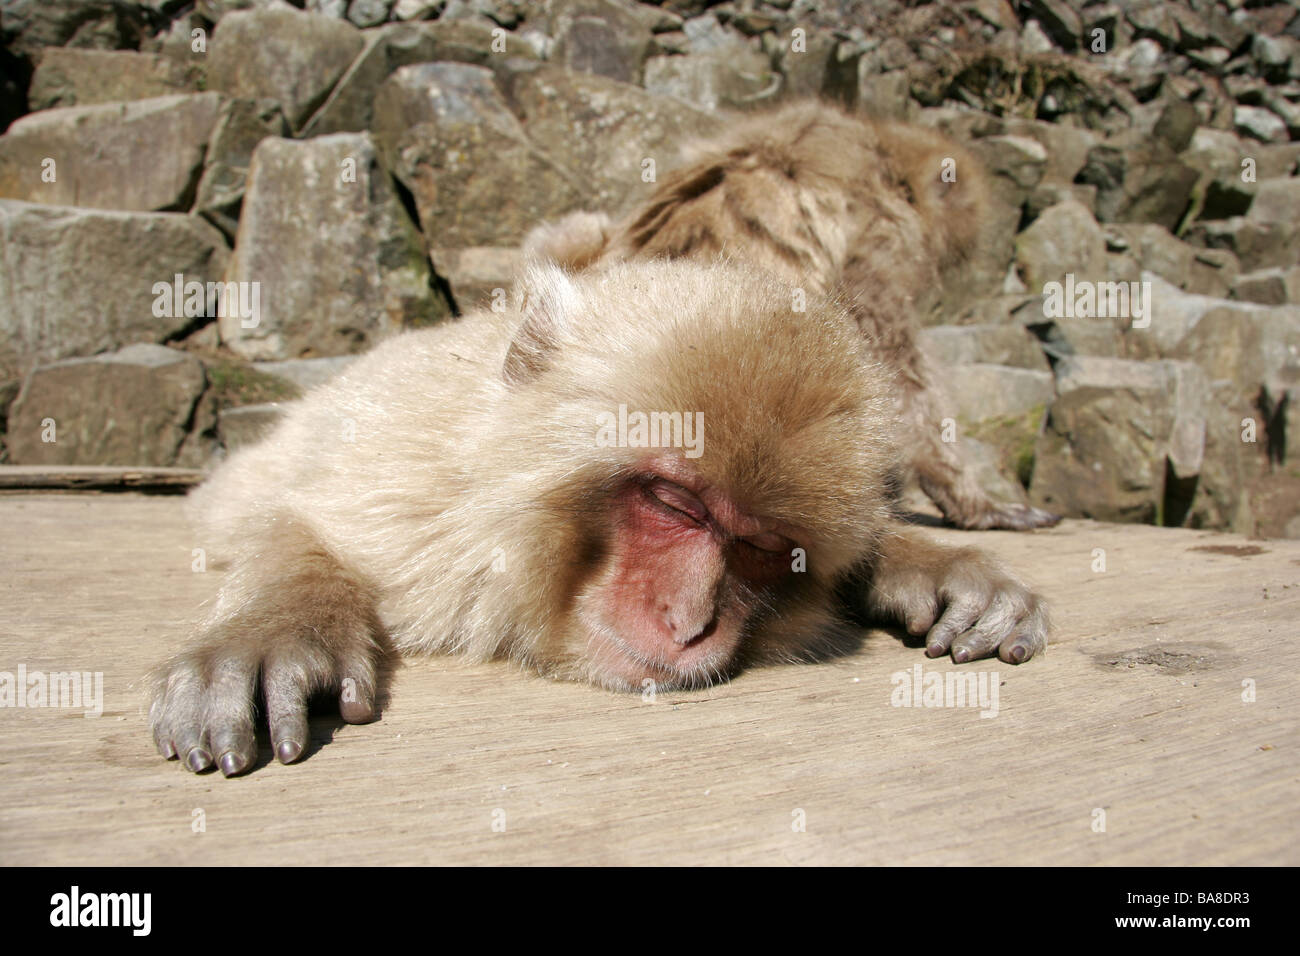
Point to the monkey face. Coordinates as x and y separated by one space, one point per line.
687 568
697 552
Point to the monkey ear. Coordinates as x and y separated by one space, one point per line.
549 298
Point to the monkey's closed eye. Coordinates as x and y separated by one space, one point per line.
678 499
769 543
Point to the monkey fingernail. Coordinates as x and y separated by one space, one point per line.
231 764
961 655
287 751
934 650
167 750
1019 653
357 711
198 759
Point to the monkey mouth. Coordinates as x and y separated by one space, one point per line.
699 662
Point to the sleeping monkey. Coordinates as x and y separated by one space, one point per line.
490 488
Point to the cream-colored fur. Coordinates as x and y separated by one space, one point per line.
447 493
833 203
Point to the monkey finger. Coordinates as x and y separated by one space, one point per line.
1019 518
191 743
998 620
230 715
1028 638
920 613
180 721
357 690
957 618
163 742
286 711
162 738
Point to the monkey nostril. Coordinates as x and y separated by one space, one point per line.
701 635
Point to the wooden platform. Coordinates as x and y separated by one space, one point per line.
1136 711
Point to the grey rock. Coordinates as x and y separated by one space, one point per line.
1019 159
1275 286
96 153
1156 21
338 263
71 77
978 391
305 374
886 95
1257 244
597 36
337 9
987 344
480 276
1276 200
1232 466
417 9
1277 161
241 125
1208 272
608 133
1182 384
1046 195
1015 165
706 34
711 81
1066 147
1174 312
1034 39
1060 20
30 26
1248 345
1064 239
1177 124
215 11
282 54
368 13
136 406
1141 180
247 425
1259 123
1272 55
818 68
349 108
105 266
476 177
1102 454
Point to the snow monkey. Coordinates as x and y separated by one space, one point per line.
874 212
654 472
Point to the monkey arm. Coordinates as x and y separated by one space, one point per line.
958 597
289 614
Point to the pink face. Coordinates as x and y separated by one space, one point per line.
688 569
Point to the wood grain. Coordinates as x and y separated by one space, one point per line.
1136 709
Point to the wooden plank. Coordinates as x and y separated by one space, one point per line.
1136 710
97 478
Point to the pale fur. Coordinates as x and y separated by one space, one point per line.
451 463
446 493
834 203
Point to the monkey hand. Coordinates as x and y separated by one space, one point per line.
1004 515
204 700
964 603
